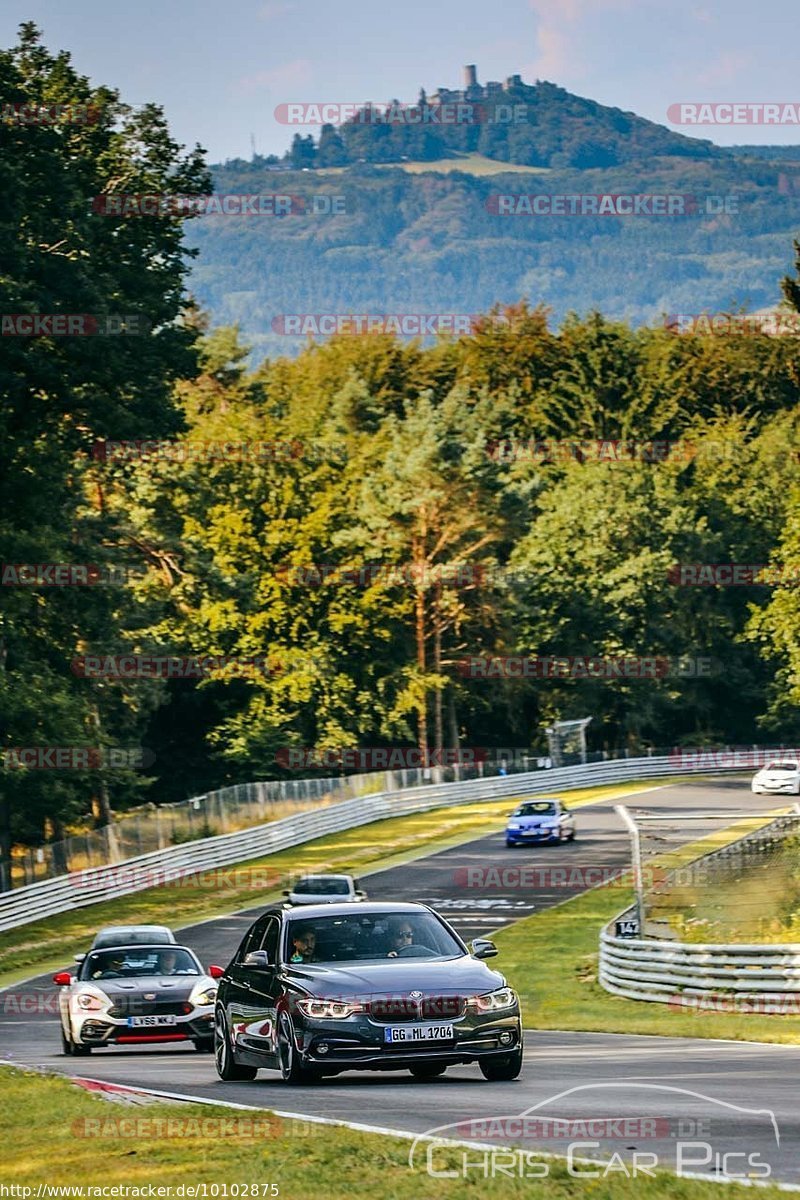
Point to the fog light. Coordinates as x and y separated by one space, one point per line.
323 1048
506 1037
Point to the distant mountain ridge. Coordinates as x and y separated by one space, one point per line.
373 237
533 125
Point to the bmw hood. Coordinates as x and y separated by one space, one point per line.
464 976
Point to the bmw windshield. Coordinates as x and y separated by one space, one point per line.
372 937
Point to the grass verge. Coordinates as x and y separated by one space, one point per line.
64 1137
50 944
551 959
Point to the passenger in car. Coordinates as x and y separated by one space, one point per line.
304 944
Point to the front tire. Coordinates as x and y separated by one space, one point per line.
66 1044
292 1070
502 1070
227 1067
204 1045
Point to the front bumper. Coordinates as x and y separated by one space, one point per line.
521 837
98 1029
358 1043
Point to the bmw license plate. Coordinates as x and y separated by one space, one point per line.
149 1022
419 1033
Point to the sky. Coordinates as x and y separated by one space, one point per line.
219 68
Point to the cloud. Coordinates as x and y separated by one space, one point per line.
727 67
283 78
555 55
273 9
559 40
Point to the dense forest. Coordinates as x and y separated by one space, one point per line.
453 467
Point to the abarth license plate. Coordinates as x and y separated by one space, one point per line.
418 1033
150 1022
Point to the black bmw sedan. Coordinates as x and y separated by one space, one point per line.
376 987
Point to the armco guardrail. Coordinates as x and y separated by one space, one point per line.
682 974
81 888
677 973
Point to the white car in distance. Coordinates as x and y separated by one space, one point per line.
779 777
325 889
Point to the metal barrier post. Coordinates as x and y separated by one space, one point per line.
636 861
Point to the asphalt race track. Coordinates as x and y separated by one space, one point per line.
697 1100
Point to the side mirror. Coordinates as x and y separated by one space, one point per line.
216 972
257 960
361 895
79 958
63 979
286 892
483 948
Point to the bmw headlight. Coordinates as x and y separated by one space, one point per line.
202 995
326 1010
494 1001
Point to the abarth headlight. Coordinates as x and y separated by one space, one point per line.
90 1002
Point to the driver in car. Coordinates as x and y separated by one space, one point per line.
113 967
400 935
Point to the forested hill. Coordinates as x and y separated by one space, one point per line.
434 242
534 125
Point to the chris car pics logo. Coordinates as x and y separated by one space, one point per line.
687 1132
